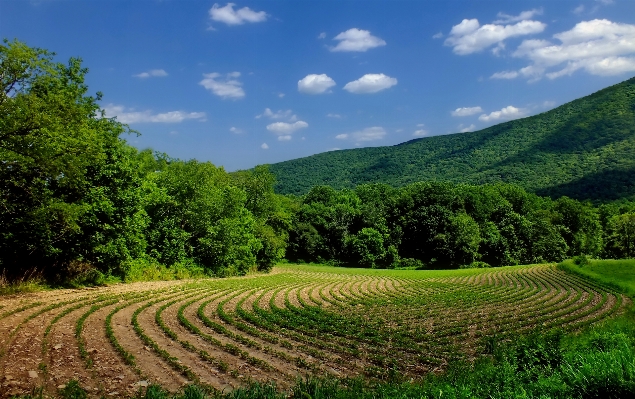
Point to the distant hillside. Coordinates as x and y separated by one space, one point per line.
584 149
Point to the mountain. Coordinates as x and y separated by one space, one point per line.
584 149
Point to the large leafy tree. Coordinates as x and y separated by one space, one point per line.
68 192
198 216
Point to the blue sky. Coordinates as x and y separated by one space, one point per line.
252 82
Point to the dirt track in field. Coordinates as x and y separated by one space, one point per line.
224 332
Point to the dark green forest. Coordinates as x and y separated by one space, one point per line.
584 149
77 203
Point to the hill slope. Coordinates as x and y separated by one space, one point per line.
584 149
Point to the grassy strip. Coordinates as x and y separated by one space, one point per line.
18 310
616 274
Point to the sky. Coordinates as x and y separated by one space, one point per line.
252 82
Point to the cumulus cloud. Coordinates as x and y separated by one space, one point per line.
367 134
438 35
523 16
467 111
505 75
470 37
334 116
153 73
229 16
599 47
235 130
280 114
508 113
322 35
579 9
357 40
315 84
223 86
264 146
465 129
131 116
285 129
370 83
420 133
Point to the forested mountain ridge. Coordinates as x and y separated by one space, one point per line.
584 149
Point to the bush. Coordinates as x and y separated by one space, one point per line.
475 265
581 260
411 263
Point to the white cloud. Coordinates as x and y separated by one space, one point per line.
286 137
370 83
470 37
465 129
131 116
605 2
579 9
505 75
467 111
508 113
367 134
420 133
284 128
230 16
224 87
235 130
600 47
264 146
334 116
280 95
315 84
334 149
322 35
280 114
154 73
357 40
437 35
523 16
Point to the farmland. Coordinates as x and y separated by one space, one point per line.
298 320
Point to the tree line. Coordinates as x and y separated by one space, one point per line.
76 199
446 225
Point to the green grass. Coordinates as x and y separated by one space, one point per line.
618 274
399 273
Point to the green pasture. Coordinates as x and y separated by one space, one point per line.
617 273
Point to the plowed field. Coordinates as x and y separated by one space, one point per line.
298 320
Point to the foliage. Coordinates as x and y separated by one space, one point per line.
442 225
78 205
583 149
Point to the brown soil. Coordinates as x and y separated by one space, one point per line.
521 298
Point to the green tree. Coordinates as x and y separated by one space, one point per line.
621 231
68 192
198 215
367 248
581 227
271 212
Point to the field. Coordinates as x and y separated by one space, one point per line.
298 320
